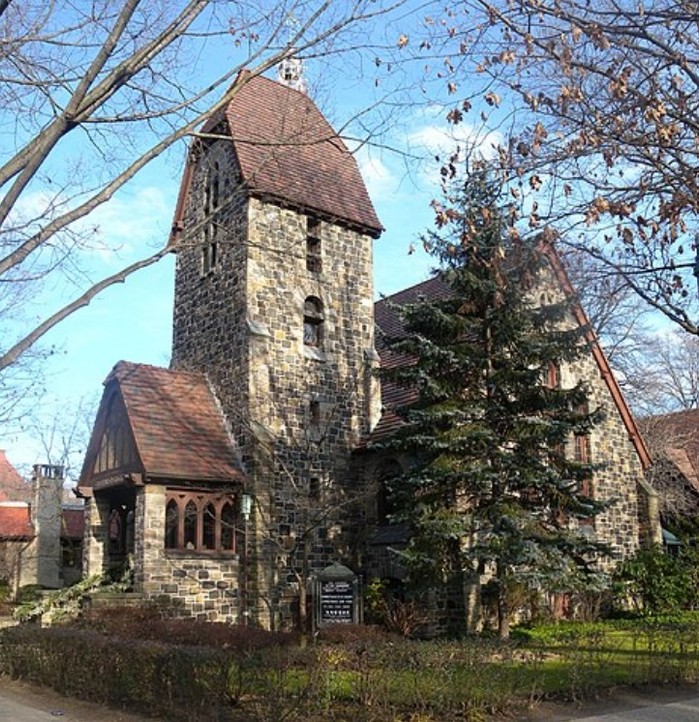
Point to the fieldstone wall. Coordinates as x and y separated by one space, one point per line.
296 411
631 516
618 481
95 557
197 585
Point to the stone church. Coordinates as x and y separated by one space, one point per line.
228 480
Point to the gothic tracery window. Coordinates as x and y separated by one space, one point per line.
200 522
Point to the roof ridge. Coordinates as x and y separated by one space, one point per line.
437 276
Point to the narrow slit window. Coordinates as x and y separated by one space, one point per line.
212 187
314 413
553 376
314 262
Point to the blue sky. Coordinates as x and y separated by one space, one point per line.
132 321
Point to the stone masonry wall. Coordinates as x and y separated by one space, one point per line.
200 586
617 482
296 412
95 557
308 403
620 477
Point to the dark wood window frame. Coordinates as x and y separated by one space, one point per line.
553 376
200 522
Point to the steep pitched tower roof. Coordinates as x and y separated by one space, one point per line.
288 154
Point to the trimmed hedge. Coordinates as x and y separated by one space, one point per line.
175 681
364 679
352 674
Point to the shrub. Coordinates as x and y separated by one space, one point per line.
353 634
151 622
657 583
5 590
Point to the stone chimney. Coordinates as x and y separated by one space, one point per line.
47 518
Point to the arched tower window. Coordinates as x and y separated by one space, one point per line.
313 322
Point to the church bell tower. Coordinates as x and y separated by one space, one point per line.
274 303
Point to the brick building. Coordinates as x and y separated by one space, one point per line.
233 476
40 536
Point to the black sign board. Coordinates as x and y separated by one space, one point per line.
336 596
336 602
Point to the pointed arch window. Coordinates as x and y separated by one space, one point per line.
200 522
313 320
172 522
227 527
191 525
209 527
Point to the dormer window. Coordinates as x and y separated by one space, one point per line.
313 322
314 262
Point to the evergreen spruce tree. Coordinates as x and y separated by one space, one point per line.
494 487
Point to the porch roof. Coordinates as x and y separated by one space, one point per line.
174 422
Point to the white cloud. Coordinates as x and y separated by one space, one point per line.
131 223
444 140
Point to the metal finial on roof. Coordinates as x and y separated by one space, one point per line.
290 69
290 73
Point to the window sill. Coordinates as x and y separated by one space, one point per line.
201 553
314 354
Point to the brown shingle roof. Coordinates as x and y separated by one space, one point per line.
15 521
390 324
73 523
12 486
389 321
288 153
177 425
